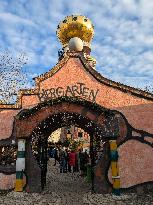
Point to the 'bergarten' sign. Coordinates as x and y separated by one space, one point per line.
77 90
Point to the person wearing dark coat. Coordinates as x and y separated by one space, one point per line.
55 155
62 160
83 158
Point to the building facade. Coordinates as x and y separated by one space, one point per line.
73 89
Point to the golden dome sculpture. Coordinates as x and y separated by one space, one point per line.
75 26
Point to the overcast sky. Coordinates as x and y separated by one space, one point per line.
122 45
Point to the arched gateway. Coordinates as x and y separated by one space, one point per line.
37 123
73 92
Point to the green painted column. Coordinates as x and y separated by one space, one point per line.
20 165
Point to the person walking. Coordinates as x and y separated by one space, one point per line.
83 158
82 162
50 151
86 160
77 162
66 160
72 160
55 154
62 160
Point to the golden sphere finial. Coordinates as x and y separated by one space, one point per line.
75 26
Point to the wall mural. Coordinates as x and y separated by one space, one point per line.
135 134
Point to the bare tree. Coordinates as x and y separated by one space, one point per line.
12 76
149 88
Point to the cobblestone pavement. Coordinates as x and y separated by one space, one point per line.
70 189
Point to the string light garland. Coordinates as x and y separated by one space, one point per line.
92 106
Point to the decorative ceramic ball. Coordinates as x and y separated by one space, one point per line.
75 44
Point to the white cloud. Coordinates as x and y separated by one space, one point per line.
123 43
11 18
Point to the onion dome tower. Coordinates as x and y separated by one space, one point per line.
75 33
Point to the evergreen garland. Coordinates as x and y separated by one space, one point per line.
91 105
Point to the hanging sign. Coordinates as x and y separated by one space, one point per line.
77 90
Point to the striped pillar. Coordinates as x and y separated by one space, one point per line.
114 167
20 165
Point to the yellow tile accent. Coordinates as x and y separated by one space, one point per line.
113 145
115 168
116 183
19 185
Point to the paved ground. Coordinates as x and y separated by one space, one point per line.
70 189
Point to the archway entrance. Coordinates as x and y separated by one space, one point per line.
36 124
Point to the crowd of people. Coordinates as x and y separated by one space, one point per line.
70 160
